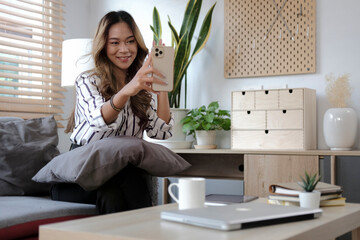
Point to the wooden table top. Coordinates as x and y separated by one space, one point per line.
318 152
146 224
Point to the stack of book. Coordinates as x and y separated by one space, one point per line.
288 194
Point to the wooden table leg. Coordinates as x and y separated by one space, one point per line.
355 234
165 185
332 169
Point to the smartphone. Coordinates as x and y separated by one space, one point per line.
163 61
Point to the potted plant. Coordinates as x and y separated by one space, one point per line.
309 198
340 121
181 41
203 121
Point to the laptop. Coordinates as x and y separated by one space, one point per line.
240 216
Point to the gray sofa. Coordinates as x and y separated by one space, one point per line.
30 161
21 216
25 205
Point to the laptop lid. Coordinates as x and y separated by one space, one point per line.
240 216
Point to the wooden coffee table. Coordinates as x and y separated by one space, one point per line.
146 224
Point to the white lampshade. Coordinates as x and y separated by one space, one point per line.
75 59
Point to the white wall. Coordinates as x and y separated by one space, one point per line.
338 50
77 15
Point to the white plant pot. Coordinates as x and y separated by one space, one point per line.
310 199
178 114
340 128
178 140
205 137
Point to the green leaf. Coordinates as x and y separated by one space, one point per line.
195 112
156 37
204 32
209 117
224 113
188 9
226 124
202 108
213 106
187 127
157 26
196 125
174 42
206 126
174 33
193 19
307 177
185 120
179 62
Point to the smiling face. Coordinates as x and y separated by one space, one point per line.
121 46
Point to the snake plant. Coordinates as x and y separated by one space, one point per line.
182 43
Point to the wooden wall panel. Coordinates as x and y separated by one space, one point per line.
269 37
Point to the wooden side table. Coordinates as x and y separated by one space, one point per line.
258 169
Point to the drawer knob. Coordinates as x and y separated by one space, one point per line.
290 91
266 91
266 131
248 112
284 111
241 167
243 93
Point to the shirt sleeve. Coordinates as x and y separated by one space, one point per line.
157 127
90 101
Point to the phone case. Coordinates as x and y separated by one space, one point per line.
163 61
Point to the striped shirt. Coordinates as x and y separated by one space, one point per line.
90 125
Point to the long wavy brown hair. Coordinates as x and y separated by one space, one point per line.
104 67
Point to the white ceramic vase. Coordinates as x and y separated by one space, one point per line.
310 199
340 128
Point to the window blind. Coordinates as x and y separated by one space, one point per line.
31 35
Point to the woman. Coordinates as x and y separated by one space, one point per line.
112 100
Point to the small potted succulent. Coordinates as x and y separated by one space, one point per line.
203 121
309 198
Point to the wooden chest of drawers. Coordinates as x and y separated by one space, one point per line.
274 119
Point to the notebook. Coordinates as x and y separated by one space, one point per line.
240 216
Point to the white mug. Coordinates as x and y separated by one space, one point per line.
191 192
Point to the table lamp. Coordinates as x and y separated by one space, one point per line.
75 59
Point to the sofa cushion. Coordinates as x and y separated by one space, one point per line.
25 147
8 119
21 215
93 164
